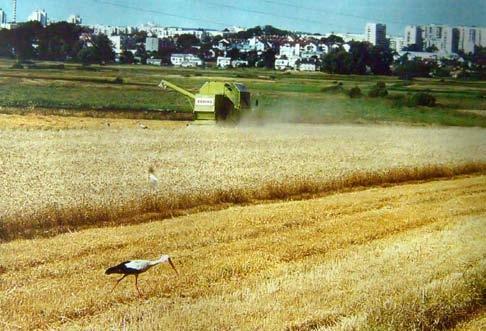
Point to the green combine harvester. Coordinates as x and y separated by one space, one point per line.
216 102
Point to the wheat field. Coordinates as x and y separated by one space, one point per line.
63 174
408 257
273 227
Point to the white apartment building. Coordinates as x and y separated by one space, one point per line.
177 59
154 62
413 35
213 33
442 37
284 62
482 37
75 19
307 67
105 29
119 42
309 50
397 43
432 56
39 16
185 60
9 26
289 50
256 44
171 32
450 39
130 29
432 36
223 61
152 29
112 30
239 63
3 17
469 37
375 33
347 37
152 44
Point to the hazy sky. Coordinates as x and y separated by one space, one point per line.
310 16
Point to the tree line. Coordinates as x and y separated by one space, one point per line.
57 42
362 58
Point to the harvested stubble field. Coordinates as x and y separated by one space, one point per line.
397 258
56 180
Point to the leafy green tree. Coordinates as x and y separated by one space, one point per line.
234 53
251 57
432 49
258 31
479 57
142 54
185 42
127 57
87 56
337 62
140 37
380 60
5 43
204 49
249 33
100 52
103 49
474 66
272 31
413 48
359 58
58 41
441 72
332 39
408 69
166 48
23 39
268 58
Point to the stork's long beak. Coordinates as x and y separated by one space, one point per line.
173 266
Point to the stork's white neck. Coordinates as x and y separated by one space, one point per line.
162 259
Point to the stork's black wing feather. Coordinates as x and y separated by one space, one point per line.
120 269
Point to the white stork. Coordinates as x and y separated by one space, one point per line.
136 267
153 180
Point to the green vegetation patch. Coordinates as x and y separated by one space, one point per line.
283 96
91 97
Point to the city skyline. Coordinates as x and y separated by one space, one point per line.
346 16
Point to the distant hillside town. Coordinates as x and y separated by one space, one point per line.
374 51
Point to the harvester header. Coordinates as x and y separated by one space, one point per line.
216 101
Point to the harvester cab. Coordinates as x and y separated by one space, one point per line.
220 102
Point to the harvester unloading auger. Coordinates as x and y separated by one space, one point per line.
220 102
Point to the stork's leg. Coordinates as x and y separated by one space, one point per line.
136 285
118 282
